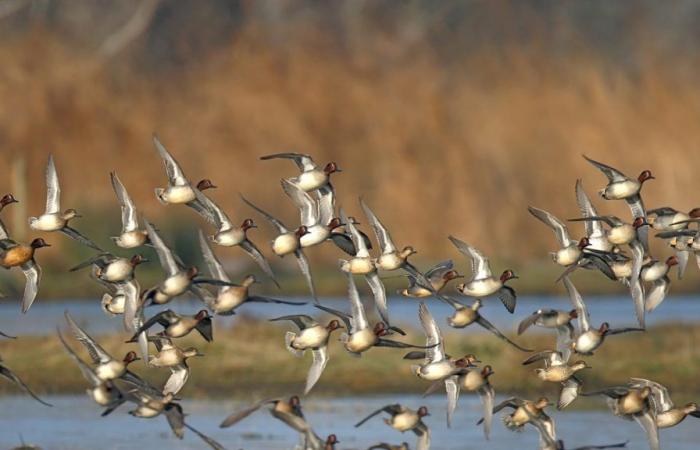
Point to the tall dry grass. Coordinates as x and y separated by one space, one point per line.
435 148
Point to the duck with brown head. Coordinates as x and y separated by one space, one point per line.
312 176
53 219
482 283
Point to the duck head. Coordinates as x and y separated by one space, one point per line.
573 314
302 230
468 360
583 243
205 184
487 371
380 329
330 168
422 411
248 224
333 325
477 304
690 407
249 280
639 222
6 200
294 401
70 213
191 352
542 403
192 272
332 439
38 243
451 275
335 223
580 365
672 261
694 213
137 259
408 251
201 315
508 275
604 327
130 357
645 176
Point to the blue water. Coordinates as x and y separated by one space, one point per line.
74 423
44 316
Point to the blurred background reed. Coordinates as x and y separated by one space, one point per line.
448 117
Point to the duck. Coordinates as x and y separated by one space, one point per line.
405 419
391 257
107 368
229 235
111 268
666 218
312 336
630 403
53 219
467 315
131 236
483 283
477 380
288 242
103 392
595 232
385 446
667 414
558 370
312 176
8 374
437 366
554 319
656 273
176 325
361 263
150 405
230 297
174 358
180 190
287 411
588 339
621 187
341 237
524 412
180 279
15 254
572 254
360 336
438 276
684 242
6 200
317 215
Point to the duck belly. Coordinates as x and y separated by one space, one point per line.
311 180
119 270
230 238
404 421
313 337
472 381
229 299
178 194
622 269
389 262
567 256
131 239
588 341
669 418
285 244
621 235
436 371
361 341
622 190
175 285
315 235
462 318
654 272
47 222
110 370
483 288
359 266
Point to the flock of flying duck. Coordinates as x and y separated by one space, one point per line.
617 248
